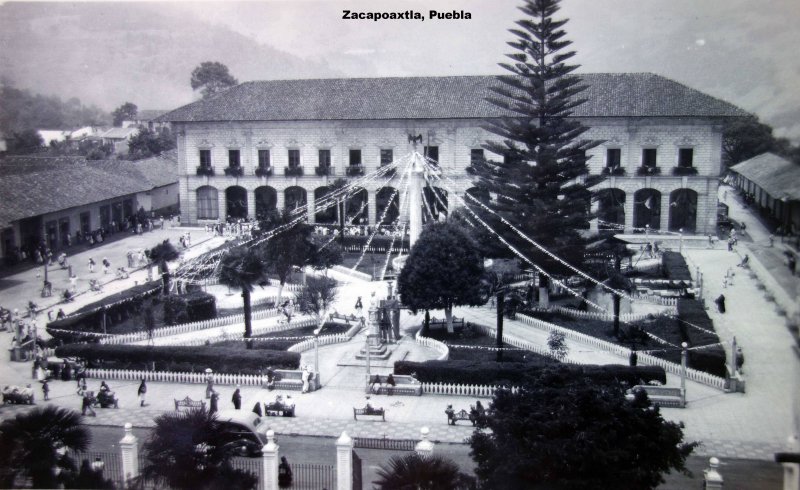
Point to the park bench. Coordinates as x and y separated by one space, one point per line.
661 395
369 410
346 318
189 403
404 385
453 416
277 408
286 379
458 323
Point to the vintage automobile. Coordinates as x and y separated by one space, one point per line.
246 439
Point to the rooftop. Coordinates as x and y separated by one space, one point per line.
35 185
455 97
778 176
120 133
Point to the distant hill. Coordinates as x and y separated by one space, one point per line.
109 53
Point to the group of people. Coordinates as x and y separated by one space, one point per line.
232 228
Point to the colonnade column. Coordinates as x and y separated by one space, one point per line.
311 207
665 208
223 204
372 207
251 203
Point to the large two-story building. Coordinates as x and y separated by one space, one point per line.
267 144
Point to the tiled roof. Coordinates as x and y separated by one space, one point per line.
608 94
149 114
779 177
32 186
120 133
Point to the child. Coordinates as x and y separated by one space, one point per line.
46 390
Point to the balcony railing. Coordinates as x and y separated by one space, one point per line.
616 171
235 171
264 171
323 170
355 170
645 171
684 171
208 171
293 171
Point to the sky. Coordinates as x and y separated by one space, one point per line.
738 50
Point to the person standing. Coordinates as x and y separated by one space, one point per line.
142 393
720 301
209 383
284 473
46 390
237 398
106 265
91 265
359 306
213 406
86 404
305 377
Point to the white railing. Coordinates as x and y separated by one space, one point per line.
671 367
176 377
188 327
278 327
596 315
214 281
654 298
308 344
350 272
440 347
480 391
520 344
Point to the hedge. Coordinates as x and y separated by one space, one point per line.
511 373
711 360
90 317
674 266
229 360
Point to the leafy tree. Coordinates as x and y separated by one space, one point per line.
444 269
422 473
125 112
160 254
33 445
21 110
290 247
193 450
212 77
318 294
557 343
148 143
326 253
23 142
744 138
242 268
559 431
541 185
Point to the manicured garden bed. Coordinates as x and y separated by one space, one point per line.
473 341
283 339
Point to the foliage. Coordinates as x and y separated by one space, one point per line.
745 138
675 267
712 359
193 450
241 268
326 253
481 372
148 143
291 247
557 343
23 142
162 253
417 472
541 184
444 269
573 433
125 112
32 444
21 110
180 358
87 478
89 148
317 296
211 77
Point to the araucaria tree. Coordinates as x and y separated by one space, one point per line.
242 268
212 77
444 269
540 185
563 431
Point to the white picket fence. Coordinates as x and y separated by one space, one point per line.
188 327
174 377
239 335
596 315
480 391
671 367
308 344
520 344
214 281
351 272
654 298
440 347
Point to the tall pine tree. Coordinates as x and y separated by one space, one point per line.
541 183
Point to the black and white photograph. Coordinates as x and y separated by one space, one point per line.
400 244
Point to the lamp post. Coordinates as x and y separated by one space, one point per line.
684 353
366 348
647 232
680 244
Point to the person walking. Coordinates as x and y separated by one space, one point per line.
46 390
237 398
91 265
106 265
209 383
213 406
720 301
359 306
305 377
86 404
142 393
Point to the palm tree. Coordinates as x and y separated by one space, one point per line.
620 283
415 472
161 254
192 450
34 444
242 268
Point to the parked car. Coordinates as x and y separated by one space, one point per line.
248 441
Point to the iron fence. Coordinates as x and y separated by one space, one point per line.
251 465
384 443
112 464
313 477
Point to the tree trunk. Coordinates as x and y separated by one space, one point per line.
340 209
617 299
165 282
248 324
426 325
500 311
280 293
448 314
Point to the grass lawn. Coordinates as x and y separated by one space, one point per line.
471 337
286 338
379 260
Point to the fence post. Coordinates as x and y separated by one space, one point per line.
711 477
424 447
344 462
269 462
129 447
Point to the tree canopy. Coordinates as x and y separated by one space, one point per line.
422 473
22 110
291 247
212 77
147 143
561 431
125 112
444 269
541 183
242 268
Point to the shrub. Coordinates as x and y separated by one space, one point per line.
511 373
712 359
675 267
180 358
175 310
200 306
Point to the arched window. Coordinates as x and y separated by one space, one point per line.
382 203
266 201
683 210
295 197
236 202
434 204
610 209
357 212
647 209
324 215
207 203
